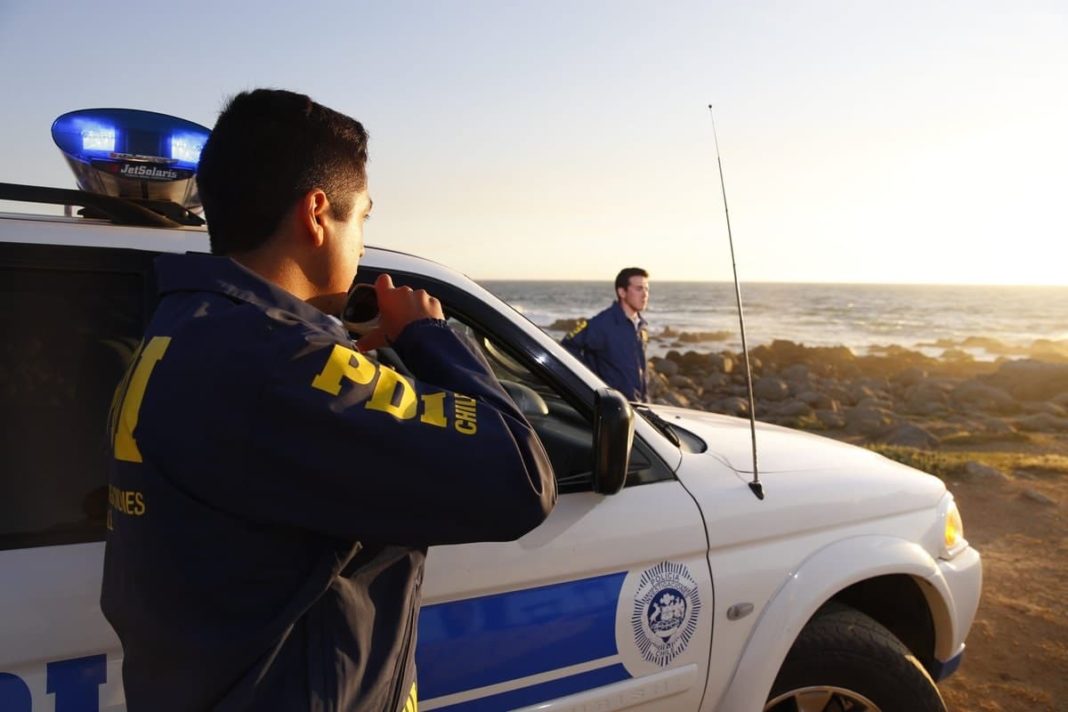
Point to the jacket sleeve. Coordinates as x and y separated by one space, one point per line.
351 448
583 342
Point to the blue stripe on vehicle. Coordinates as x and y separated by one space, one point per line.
483 641
941 670
545 691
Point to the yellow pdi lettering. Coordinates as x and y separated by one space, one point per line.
393 394
434 410
344 364
135 383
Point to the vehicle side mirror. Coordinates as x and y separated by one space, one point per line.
613 435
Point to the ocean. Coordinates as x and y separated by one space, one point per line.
983 321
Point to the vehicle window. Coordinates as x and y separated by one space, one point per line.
566 434
68 335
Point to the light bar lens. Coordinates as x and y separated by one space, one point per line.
98 139
186 148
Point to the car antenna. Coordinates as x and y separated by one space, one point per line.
754 484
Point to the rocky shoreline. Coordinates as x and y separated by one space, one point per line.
897 397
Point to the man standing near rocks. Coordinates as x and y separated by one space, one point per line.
613 343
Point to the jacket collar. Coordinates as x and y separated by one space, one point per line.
621 316
198 272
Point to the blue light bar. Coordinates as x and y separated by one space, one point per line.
130 153
92 134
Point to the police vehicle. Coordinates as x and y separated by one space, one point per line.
659 582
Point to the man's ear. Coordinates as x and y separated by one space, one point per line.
314 211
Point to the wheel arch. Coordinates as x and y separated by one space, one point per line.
892 566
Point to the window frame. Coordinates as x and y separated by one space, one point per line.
518 345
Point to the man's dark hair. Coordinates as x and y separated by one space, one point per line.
267 150
623 278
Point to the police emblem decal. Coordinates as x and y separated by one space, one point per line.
667 605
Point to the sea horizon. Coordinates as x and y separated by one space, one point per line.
983 321
743 283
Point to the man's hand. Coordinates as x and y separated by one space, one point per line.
398 307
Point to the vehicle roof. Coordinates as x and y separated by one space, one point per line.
86 232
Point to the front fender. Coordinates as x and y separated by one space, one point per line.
816 581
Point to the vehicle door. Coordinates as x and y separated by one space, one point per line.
71 320
608 604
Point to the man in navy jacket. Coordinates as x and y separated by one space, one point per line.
613 343
274 490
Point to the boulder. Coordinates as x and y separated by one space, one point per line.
884 403
980 471
680 381
909 435
909 377
693 362
724 362
859 392
792 409
996 426
715 381
1028 379
675 398
770 388
666 366
1046 407
733 406
818 400
925 398
1042 423
837 393
975 394
693 395
831 419
870 422
879 384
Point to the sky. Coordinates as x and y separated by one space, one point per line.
914 141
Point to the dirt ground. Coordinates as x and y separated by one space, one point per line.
1017 654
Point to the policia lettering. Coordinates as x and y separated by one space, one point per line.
130 393
393 393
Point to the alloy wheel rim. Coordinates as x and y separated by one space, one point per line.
821 698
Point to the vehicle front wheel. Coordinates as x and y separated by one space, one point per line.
845 661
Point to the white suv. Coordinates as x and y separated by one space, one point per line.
662 585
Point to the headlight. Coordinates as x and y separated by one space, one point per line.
953 541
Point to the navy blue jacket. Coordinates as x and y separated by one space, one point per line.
611 346
273 493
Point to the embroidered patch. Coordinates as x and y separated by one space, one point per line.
667 605
579 326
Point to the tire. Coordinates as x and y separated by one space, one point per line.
844 661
